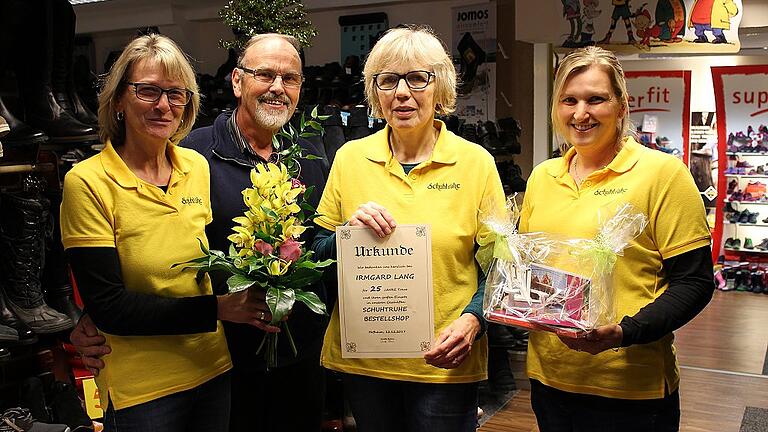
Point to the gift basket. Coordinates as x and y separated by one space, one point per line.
543 281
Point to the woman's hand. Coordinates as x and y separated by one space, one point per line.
374 217
454 343
246 307
597 340
90 344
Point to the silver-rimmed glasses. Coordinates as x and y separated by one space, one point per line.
268 76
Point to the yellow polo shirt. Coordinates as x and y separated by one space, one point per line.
106 205
656 184
452 191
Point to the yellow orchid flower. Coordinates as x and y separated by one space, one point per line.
278 267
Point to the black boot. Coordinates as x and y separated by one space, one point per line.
488 137
7 318
55 277
62 79
333 137
509 134
8 334
34 69
32 397
357 123
468 131
20 133
24 223
66 408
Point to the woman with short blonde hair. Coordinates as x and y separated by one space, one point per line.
391 176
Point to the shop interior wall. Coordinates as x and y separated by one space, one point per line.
197 27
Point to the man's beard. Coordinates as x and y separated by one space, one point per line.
264 117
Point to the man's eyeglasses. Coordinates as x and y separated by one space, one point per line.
268 76
152 93
415 80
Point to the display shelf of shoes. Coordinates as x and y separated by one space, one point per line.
755 251
746 224
746 202
746 153
747 175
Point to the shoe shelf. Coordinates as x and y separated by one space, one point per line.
746 224
746 153
747 202
748 175
757 251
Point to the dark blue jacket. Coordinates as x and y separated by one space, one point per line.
230 174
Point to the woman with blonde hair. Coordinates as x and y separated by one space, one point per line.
622 376
128 214
384 179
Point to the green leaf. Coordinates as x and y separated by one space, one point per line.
301 122
269 212
307 135
323 117
315 125
312 157
314 112
302 277
312 301
280 302
239 282
275 142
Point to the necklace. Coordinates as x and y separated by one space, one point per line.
575 172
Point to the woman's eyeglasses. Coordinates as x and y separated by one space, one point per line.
268 76
152 93
415 80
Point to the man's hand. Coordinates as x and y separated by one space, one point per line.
90 344
374 217
454 343
597 340
246 307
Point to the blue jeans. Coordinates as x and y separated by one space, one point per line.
699 30
559 411
404 406
204 408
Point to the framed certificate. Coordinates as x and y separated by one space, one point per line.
385 292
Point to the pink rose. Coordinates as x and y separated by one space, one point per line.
290 250
295 183
263 247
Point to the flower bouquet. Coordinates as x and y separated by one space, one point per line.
265 252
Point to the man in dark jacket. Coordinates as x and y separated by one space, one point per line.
267 82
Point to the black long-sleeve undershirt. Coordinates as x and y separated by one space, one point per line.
691 284
118 311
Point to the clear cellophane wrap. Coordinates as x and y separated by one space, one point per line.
548 282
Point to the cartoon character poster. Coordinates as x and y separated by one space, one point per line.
664 26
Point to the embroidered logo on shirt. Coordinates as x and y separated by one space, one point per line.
612 191
444 186
191 200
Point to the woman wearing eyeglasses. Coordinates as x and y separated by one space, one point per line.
390 178
130 213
